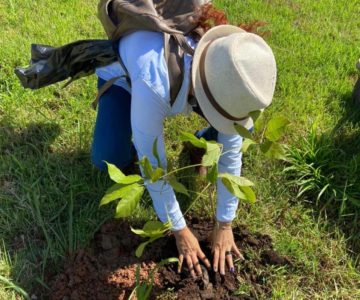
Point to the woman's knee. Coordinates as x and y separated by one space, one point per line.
100 158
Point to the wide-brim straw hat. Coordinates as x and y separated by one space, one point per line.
233 74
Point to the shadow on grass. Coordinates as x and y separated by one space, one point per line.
326 169
347 139
49 199
351 111
40 136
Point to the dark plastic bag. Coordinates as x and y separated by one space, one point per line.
49 65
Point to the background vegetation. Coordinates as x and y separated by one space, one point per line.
50 192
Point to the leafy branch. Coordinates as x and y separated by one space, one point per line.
128 190
268 142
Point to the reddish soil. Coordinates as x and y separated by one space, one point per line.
107 269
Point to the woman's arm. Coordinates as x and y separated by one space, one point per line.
148 112
147 116
230 162
223 245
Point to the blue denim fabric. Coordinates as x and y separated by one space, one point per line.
112 135
211 134
208 133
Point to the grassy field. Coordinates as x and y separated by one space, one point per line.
50 192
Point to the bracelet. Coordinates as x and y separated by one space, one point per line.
223 225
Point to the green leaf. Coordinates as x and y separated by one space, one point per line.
139 232
114 187
246 144
249 195
150 173
276 127
129 201
239 187
157 174
7 283
241 181
155 152
212 174
137 274
188 137
130 179
273 150
177 186
142 291
156 228
255 115
140 249
114 173
152 229
232 187
211 155
242 131
260 124
117 191
243 193
147 167
167 261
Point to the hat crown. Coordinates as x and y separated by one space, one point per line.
240 70
233 74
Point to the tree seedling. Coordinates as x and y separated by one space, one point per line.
129 189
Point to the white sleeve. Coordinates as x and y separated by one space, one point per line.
148 112
230 162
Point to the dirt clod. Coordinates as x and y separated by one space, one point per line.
270 257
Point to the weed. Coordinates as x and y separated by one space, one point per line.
329 175
142 290
5 269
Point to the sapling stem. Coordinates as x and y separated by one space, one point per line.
180 169
197 198
212 204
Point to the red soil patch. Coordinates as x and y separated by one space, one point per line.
107 269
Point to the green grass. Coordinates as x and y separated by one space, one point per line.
325 167
49 191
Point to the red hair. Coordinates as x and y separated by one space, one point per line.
210 16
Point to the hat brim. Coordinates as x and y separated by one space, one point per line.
218 121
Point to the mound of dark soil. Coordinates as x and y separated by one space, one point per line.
107 269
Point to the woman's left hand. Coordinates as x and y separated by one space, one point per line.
223 247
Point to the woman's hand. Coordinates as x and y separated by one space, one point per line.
189 249
223 245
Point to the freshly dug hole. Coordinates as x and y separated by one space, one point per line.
107 269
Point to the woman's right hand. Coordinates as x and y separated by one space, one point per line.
189 250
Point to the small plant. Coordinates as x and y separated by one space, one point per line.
268 142
326 174
142 290
5 266
152 230
129 189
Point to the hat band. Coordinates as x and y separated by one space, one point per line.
207 91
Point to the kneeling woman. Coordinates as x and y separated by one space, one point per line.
232 73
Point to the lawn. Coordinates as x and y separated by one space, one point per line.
310 206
